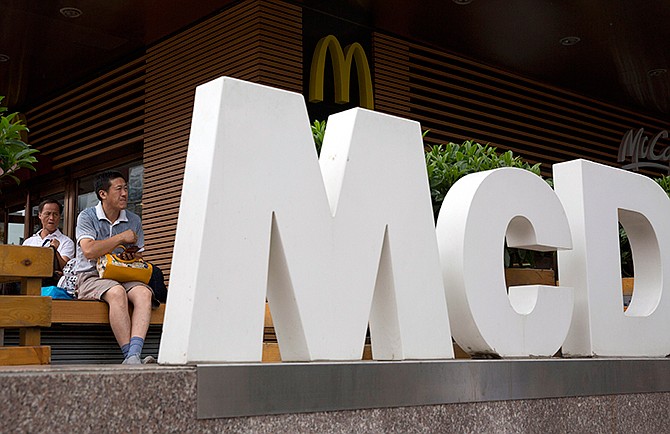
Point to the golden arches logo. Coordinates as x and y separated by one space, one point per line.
342 61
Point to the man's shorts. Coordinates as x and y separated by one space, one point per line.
92 287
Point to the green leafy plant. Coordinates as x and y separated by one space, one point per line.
318 131
15 154
448 163
626 254
664 182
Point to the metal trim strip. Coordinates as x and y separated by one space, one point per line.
260 389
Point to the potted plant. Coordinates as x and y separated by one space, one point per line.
15 154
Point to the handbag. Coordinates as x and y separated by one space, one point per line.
69 279
111 266
157 284
57 269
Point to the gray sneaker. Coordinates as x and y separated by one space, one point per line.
133 359
148 360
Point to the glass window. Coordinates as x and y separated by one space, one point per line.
16 225
86 197
135 187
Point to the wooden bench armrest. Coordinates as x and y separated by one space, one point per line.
25 311
30 311
17 262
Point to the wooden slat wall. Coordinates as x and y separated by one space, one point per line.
87 123
146 104
257 41
459 99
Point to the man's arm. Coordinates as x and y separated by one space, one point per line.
64 250
62 260
93 249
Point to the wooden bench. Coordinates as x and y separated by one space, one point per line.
95 312
28 311
90 312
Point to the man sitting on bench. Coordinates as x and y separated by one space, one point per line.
100 229
49 213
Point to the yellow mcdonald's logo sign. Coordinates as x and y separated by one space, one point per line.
342 61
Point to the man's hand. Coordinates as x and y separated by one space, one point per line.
54 243
128 237
129 253
93 249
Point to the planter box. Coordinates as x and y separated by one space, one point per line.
627 284
513 276
529 276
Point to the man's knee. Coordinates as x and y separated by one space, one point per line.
115 295
140 294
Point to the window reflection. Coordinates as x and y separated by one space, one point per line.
135 185
16 225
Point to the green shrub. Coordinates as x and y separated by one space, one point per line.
318 131
448 163
15 154
664 182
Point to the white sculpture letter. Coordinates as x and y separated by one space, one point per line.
477 213
334 248
596 198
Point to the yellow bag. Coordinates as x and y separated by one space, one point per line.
110 266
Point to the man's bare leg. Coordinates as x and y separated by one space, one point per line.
140 297
119 319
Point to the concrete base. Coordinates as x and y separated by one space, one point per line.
164 399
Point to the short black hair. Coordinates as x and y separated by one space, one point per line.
40 207
104 180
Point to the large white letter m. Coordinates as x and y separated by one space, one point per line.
333 243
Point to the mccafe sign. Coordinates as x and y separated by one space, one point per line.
345 240
644 151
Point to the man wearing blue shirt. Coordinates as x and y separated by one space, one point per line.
100 230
